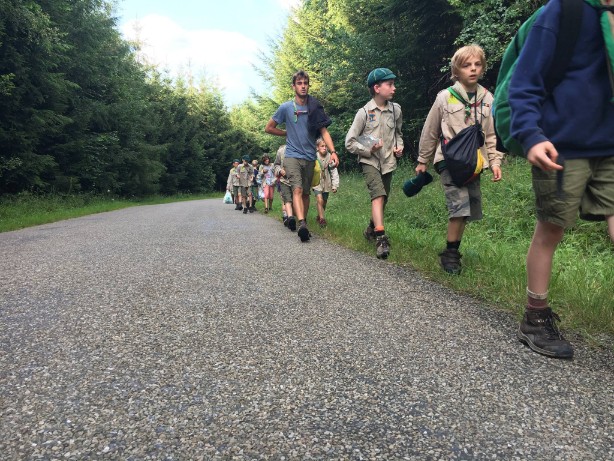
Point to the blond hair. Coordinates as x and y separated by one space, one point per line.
462 55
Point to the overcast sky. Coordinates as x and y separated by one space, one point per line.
219 38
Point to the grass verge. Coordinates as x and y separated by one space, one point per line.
494 249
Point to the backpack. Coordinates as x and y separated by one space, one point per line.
317 172
570 22
461 154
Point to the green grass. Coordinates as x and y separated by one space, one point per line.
25 210
494 249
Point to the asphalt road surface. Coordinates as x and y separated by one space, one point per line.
190 331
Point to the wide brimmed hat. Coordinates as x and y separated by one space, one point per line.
414 185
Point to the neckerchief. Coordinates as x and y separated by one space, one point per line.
606 19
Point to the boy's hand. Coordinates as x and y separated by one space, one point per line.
496 173
544 155
377 146
421 168
282 172
398 152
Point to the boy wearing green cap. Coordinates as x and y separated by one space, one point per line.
376 138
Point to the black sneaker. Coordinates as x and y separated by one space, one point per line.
382 247
303 233
252 209
539 331
292 223
239 207
245 210
450 260
369 233
285 219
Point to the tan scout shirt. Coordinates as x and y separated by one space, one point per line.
371 120
447 117
245 174
278 165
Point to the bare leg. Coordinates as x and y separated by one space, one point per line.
297 203
377 211
539 258
320 203
456 228
610 221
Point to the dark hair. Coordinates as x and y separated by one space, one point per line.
265 157
300 74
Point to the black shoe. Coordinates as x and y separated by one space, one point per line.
245 210
382 247
450 260
539 331
292 223
369 233
252 209
303 233
238 207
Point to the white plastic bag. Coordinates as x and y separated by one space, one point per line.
228 197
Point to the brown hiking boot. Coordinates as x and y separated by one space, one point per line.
539 331
450 260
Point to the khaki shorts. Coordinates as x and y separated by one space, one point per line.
377 183
235 190
244 191
588 187
286 193
462 202
299 173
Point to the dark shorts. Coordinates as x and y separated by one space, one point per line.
377 183
235 190
286 193
299 173
462 202
588 187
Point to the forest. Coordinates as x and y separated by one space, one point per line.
82 112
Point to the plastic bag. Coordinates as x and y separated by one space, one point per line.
228 197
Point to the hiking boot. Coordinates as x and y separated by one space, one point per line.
292 223
239 207
285 220
450 260
382 247
539 331
252 209
323 222
266 210
303 232
245 210
369 233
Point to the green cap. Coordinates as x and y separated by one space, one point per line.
379 75
245 158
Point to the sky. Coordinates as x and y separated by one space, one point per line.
218 38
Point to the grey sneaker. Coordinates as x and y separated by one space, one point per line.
369 233
450 260
539 331
382 247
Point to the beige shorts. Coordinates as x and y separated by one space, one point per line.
462 202
588 187
377 183
299 173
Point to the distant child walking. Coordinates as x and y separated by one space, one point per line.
453 111
266 177
329 180
245 175
376 137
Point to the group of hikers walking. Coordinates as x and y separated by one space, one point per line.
564 130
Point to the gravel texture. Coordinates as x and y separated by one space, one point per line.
191 331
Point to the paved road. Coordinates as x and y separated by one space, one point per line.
174 332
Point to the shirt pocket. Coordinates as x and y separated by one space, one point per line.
454 117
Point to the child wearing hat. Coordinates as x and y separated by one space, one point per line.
447 117
245 175
329 180
376 138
